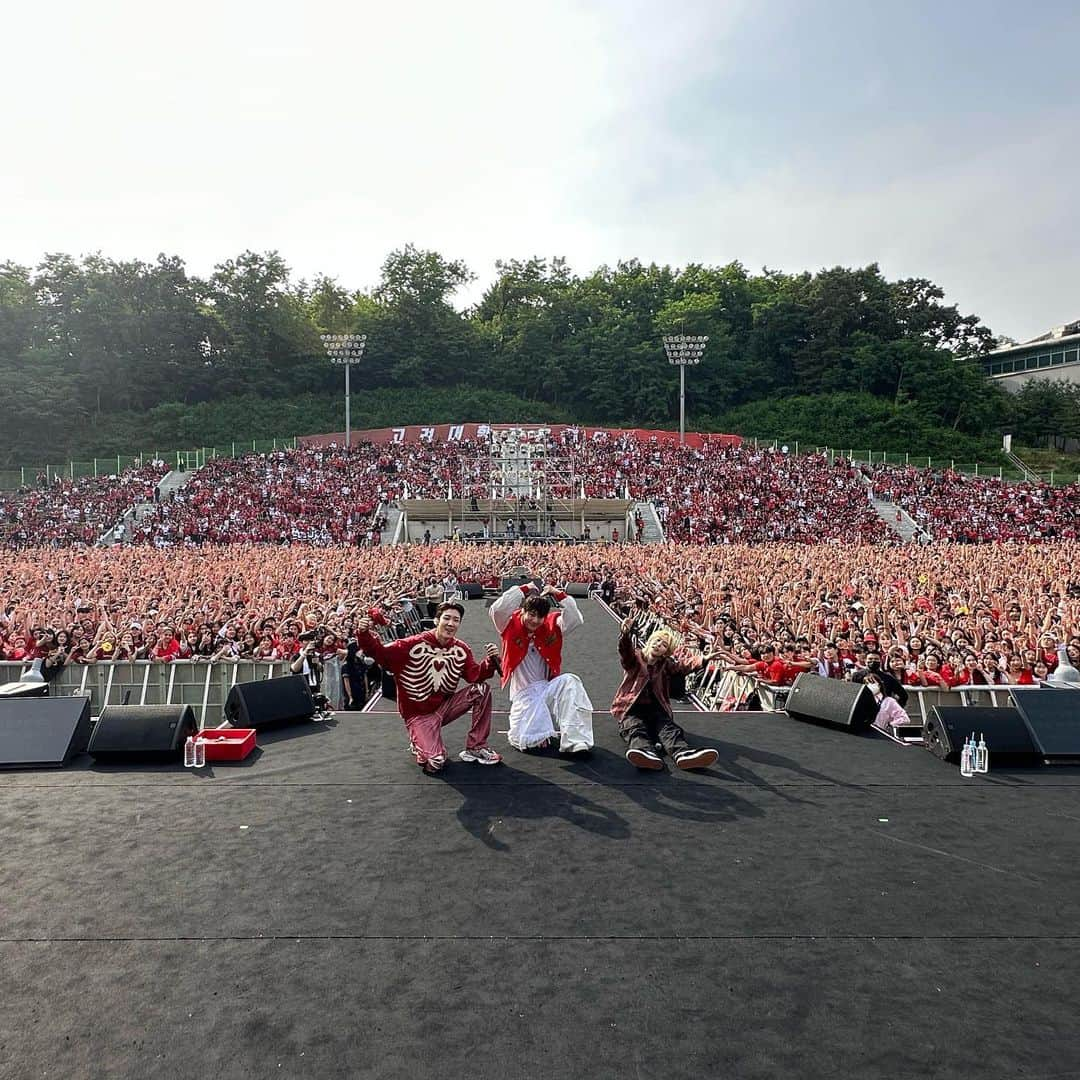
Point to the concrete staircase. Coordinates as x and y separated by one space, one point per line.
389 535
654 531
897 518
170 482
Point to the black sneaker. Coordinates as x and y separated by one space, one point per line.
644 759
696 759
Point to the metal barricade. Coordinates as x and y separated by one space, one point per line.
201 685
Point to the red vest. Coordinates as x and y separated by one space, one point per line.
515 643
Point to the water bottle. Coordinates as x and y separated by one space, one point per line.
200 752
189 752
967 766
982 756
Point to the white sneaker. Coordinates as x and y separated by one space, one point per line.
644 759
696 759
482 755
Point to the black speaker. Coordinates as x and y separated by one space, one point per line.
471 590
38 733
1052 718
269 703
126 733
831 701
577 589
24 689
1006 736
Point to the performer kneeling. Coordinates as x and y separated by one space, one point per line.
427 668
544 700
642 705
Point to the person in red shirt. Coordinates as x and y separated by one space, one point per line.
166 648
427 668
546 703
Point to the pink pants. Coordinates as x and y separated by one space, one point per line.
426 731
891 713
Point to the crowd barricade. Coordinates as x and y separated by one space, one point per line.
332 685
921 699
717 690
203 686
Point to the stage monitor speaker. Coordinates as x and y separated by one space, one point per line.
1052 718
831 701
24 689
127 733
269 703
1007 738
577 589
37 733
471 590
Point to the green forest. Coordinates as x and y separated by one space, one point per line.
100 357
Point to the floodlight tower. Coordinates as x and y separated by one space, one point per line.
346 350
684 350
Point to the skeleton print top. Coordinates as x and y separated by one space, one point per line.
426 672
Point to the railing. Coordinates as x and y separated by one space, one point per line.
203 686
717 690
919 461
28 475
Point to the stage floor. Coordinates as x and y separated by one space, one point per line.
816 904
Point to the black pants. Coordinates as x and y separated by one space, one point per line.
356 684
645 725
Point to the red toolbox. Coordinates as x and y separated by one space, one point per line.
228 744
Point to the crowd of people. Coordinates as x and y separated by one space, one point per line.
773 563
937 613
60 512
713 495
973 509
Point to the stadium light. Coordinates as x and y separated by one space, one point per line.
684 350
346 350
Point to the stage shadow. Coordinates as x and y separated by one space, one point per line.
524 797
736 761
269 736
685 796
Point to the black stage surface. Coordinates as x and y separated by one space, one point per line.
817 904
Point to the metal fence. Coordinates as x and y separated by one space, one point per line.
919 461
718 690
143 682
31 475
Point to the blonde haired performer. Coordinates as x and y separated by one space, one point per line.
546 703
642 705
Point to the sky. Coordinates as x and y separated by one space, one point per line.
935 139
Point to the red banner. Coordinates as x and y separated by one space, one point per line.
439 433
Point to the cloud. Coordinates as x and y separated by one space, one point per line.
776 134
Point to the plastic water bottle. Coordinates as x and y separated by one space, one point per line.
967 766
189 752
200 751
982 756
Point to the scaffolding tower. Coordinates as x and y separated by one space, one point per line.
529 484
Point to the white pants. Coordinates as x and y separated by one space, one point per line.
545 710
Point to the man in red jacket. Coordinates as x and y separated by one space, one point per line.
427 668
642 705
545 702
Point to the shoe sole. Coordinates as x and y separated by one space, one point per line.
642 760
699 759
